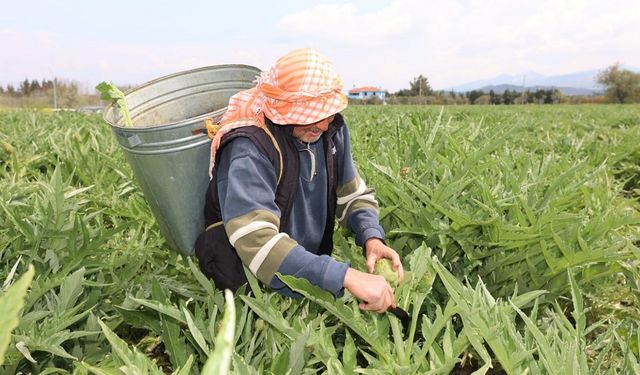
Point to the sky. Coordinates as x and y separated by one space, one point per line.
371 42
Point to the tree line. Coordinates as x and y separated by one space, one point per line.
45 93
27 87
620 86
420 86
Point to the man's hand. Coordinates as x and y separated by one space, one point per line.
373 290
376 249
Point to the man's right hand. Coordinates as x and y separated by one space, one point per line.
373 291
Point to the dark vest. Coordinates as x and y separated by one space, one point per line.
218 259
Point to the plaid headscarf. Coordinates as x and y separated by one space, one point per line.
300 89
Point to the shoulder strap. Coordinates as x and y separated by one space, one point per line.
264 140
267 142
279 168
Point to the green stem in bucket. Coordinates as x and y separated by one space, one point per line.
112 94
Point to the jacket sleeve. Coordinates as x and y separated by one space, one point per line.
357 207
247 184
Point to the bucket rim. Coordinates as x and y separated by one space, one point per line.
110 108
170 125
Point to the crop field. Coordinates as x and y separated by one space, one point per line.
519 227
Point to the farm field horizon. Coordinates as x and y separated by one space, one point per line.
519 227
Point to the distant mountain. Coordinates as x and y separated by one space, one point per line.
502 79
578 83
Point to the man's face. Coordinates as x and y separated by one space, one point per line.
312 132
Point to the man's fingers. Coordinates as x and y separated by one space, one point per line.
381 304
397 266
371 263
400 271
392 298
389 301
370 307
384 303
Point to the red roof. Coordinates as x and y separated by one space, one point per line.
364 88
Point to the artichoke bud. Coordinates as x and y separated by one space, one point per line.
384 268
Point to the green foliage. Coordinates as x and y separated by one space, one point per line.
132 361
514 197
621 85
219 361
475 199
112 94
11 302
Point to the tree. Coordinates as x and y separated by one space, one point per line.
420 86
507 97
47 84
529 97
34 86
68 94
549 97
493 98
621 85
473 95
25 87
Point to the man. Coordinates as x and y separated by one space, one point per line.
282 171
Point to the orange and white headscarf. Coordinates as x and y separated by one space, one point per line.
301 88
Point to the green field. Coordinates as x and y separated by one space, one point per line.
519 226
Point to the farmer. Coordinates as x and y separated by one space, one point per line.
281 173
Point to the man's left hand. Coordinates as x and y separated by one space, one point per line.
376 249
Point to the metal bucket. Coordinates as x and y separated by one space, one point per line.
167 148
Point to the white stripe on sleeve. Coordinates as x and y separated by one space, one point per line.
366 197
261 255
251 227
361 188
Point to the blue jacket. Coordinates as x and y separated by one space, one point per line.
247 184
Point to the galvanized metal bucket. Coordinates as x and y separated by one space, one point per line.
167 148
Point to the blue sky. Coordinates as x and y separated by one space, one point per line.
375 42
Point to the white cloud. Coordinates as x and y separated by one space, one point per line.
344 23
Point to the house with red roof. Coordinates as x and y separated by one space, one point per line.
366 92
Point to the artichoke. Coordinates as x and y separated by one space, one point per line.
384 268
